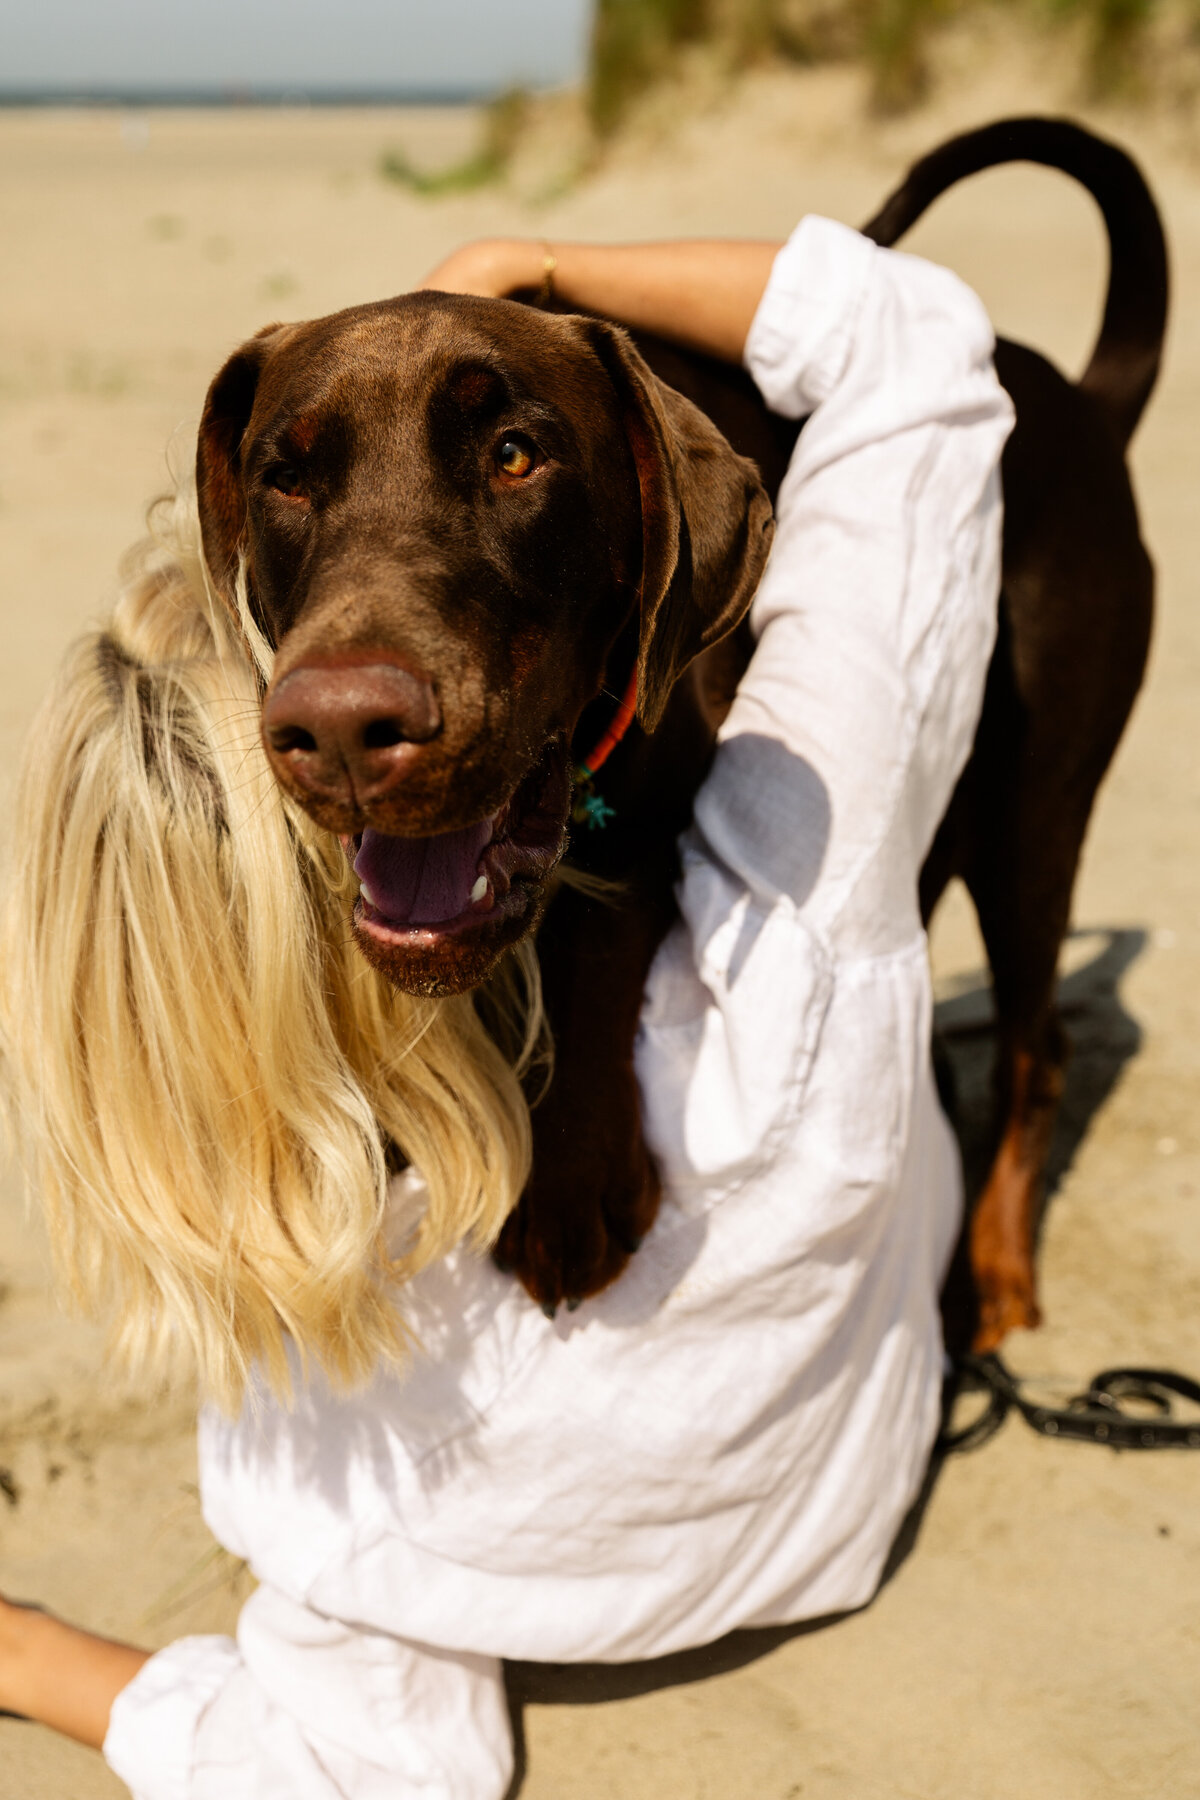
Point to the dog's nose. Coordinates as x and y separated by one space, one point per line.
346 735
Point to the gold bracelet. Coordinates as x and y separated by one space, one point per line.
549 265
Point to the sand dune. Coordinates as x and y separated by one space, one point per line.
1042 1638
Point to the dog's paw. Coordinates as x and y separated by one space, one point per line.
1007 1302
575 1230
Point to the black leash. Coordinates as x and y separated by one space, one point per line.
1097 1416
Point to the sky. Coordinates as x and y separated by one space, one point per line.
305 46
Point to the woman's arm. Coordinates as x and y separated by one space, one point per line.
301 1705
702 293
60 1676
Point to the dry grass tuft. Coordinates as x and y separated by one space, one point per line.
504 122
637 43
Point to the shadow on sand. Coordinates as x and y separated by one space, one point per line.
1103 1039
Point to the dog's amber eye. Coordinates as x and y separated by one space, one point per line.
515 456
285 478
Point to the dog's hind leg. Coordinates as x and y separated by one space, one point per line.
1020 877
1004 1224
1074 630
994 839
1034 778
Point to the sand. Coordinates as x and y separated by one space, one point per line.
1042 1637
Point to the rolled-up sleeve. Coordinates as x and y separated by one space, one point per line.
807 322
302 1707
878 341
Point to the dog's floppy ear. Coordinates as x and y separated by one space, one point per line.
219 491
707 523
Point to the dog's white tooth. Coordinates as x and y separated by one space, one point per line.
366 893
479 890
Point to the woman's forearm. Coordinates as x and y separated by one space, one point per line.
700 292
60 1676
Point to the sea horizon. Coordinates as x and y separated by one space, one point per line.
132 97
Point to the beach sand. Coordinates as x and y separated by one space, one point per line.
1042 1637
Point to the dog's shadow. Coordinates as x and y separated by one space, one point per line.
1103 1039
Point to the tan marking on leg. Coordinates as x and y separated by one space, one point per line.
1005 1220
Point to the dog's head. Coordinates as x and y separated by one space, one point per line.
448 510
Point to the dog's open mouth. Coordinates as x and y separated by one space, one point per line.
418 892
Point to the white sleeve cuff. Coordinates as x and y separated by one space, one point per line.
801 336
152 1728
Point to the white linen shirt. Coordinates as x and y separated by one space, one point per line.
732 1433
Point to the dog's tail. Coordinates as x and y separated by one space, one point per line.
1125 360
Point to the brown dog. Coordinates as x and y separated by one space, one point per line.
466 523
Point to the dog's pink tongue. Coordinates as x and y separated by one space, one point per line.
421 881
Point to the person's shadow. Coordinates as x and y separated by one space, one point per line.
1103 1038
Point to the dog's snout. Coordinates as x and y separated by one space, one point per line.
344 736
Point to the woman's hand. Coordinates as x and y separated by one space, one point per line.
60 1676
492 267
702 293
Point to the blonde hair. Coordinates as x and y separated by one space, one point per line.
210 1082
